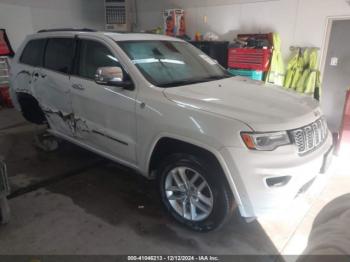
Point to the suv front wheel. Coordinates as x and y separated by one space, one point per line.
195 192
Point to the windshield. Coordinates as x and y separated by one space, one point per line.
172 63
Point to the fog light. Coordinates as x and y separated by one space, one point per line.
278 181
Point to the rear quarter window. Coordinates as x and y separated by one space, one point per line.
33 53
59 54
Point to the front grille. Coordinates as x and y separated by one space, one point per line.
310 137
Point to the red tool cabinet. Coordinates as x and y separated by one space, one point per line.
253 59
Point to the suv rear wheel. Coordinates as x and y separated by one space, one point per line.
195 192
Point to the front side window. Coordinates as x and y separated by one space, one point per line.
92 56
172 63
59 54
33 53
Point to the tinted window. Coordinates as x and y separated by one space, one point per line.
92 56
59 54
33 52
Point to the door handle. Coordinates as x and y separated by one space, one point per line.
78 87
36 75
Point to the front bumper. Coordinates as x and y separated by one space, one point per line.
250 171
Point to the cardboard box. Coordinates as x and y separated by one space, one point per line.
174 22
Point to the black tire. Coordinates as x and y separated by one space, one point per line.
223 201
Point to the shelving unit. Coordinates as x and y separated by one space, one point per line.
4 71
5 99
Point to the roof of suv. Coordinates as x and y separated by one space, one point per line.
114 36
139 36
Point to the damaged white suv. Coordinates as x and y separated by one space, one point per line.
162 107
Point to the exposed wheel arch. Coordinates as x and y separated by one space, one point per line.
166 146
31 109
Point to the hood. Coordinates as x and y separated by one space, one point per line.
262 107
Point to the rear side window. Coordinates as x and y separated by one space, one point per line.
92 56
59 54
33 53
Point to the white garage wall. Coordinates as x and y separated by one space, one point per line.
300 22
23 17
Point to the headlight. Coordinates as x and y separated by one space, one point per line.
265 141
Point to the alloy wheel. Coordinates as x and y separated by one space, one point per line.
189 193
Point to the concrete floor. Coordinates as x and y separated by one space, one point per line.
73 202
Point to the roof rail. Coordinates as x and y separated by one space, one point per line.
66 29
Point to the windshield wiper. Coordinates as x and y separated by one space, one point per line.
194 81
217 77
179 83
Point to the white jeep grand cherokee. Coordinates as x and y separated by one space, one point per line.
162 107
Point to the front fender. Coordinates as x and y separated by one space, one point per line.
230 178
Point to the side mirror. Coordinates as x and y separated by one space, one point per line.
113 76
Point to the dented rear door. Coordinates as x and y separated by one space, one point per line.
52 85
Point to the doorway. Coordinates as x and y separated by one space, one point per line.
336 80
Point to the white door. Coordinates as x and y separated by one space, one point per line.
105 114
337 74
52 87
